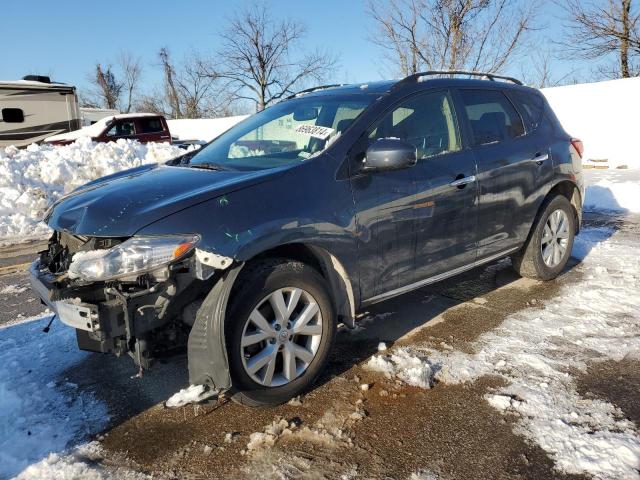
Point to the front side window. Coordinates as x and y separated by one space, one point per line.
286 133
121 129
427 121
12 115
493 119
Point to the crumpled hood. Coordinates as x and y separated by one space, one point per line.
119 205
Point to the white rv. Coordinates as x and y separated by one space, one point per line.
90 115
34 108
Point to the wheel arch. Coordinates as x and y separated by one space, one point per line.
339 282
571 192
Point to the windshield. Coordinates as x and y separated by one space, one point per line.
286 133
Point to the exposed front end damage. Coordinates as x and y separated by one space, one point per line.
144 315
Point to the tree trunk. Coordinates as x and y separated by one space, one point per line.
624 41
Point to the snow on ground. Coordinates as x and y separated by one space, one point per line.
191 394
12 289
536 350
42 412
612 190
79 464
32 178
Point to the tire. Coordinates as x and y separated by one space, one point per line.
257 290
531 262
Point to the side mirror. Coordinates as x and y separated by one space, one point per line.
389 154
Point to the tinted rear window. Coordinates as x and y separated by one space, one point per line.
492 116
150 125
530 105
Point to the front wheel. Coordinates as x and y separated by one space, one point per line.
549 246
280 331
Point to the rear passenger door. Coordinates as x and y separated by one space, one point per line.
513 166
151 129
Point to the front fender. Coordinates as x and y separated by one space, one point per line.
292 208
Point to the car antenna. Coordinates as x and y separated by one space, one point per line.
48 327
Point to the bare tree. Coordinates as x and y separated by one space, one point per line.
114 88
600 29
107 89
451 34
131 72
170 84
187 92
260 59
540 70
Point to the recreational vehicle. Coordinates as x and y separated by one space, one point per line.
34 108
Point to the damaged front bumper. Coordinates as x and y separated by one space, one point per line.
71 312
151 318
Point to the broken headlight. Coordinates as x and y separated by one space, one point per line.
132 257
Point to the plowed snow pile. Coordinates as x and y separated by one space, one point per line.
32 178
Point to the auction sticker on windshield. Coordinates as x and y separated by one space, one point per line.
315 131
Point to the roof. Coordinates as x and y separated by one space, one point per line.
385 86
120 116
382 86
34 84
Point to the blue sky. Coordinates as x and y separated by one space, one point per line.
66 38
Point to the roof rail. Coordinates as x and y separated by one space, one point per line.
313 89
418 77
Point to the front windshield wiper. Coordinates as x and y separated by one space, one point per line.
208 166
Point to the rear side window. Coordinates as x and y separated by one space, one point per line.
531 106
150 125
427 121
492 116
12 115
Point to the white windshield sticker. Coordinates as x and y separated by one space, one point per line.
315 131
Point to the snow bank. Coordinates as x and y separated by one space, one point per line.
603 115
32 178
204 129
41 411
612 190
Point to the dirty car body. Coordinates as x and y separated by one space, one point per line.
147 261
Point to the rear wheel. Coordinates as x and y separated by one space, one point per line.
549 246
280 331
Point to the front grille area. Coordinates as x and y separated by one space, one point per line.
63 245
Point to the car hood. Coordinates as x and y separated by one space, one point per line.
122 204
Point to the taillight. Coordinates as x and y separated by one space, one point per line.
577 144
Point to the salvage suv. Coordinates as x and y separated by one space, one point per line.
250 251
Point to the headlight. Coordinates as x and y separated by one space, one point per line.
134 256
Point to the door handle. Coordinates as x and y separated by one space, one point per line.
540 158
461 182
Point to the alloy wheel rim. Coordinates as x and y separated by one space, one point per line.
281 337
555 238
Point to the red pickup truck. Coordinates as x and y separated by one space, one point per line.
144 127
